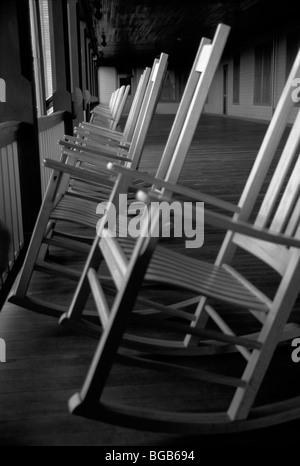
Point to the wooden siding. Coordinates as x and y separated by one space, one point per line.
10 202
107 83
246 107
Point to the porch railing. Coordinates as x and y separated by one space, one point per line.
12 186
10 191
51 129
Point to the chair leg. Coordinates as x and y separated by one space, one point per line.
38 236
270 336
44 250
83 290
201 321
114 330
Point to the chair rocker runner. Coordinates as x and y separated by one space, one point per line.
273 238
82 211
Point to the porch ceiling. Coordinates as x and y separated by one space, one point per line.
137 30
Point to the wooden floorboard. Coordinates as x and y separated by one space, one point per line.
46 365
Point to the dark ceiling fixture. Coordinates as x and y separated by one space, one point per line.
104 43
98 14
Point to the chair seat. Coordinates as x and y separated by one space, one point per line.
173 268
76 210
81 211
201 277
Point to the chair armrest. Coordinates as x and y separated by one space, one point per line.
230 223
101 135
84 141
101 111
103 118
77 173
91 159
93 140
101 152
86 137
98 129
182 190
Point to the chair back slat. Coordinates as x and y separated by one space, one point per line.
269 146
118 101
136 106
280 207
148 110
282 170
292 227
120 109
213 54
261 169
204 58
287 203
181 115
274 255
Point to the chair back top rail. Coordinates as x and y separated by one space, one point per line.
120 110
136 106
148 109
207 62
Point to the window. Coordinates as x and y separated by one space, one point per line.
263 74
236 78
41 41
46 47
292 48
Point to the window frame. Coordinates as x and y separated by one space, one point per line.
45 102
263 74
292 49
236 84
